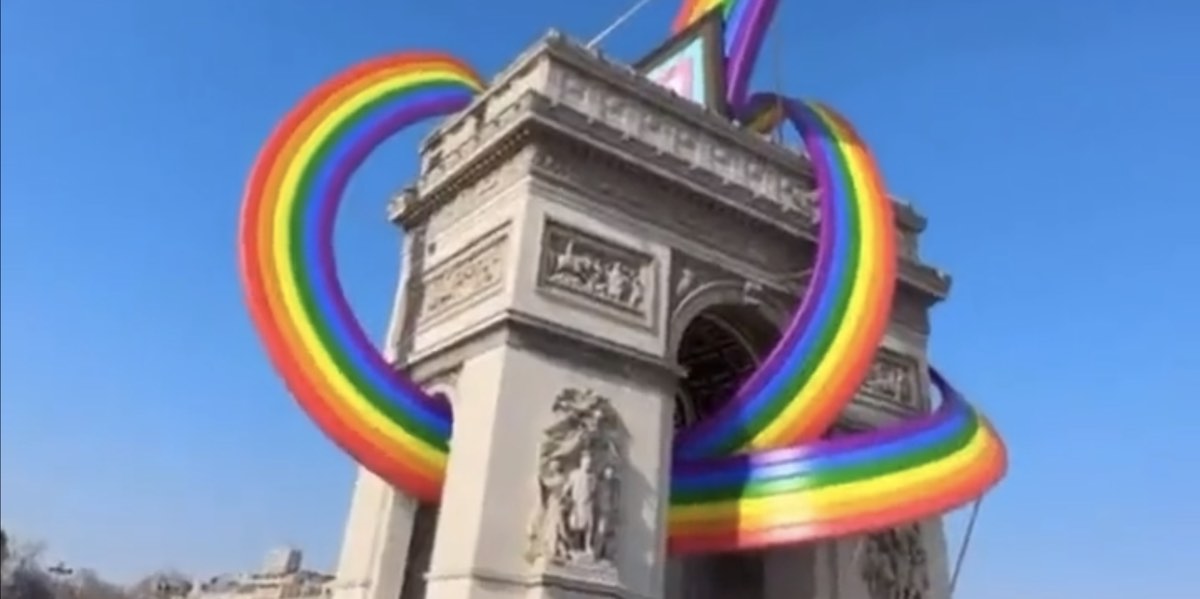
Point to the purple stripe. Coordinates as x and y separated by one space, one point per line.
721 422
953 405
328 270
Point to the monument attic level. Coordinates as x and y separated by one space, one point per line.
566 234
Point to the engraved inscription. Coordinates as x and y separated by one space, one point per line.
598 270
465 280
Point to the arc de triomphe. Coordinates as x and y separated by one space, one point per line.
587 250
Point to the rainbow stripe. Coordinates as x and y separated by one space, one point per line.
751 476
845 486
375 414
746 25
826 351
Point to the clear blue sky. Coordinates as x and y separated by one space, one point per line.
1052 143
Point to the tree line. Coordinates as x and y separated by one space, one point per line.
24 575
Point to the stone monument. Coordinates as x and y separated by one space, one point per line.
590 262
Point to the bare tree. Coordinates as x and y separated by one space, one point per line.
25 577
22 575
87 584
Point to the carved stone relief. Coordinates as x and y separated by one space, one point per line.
582 458
600 271
650 199
464 279
895 564
689 274
693 146
893 380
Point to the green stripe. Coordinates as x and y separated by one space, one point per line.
925 454
760 420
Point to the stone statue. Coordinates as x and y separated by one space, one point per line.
578 499
578 479
895 564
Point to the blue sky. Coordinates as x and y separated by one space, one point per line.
1050 142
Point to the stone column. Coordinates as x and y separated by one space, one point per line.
375 544
791 572
506 526
550 368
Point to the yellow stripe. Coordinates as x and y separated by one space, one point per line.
821 504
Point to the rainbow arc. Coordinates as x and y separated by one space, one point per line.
756 473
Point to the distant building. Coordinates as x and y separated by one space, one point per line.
284 560
281 577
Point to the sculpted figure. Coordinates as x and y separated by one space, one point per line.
580 507
581 459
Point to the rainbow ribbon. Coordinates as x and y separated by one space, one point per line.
375 414
753 475
746 25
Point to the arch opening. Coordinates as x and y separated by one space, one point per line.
719 348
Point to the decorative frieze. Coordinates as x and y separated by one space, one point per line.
698 150
465 279
893 380
601 272
699 229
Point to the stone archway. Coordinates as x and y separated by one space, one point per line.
718 345
718 348
425 518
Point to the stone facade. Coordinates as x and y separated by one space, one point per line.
564 232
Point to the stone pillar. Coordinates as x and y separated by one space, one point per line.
553 321
492 538
380 522
375 545
791 572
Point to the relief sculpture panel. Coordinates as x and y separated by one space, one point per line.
465 279
576 264
893 380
